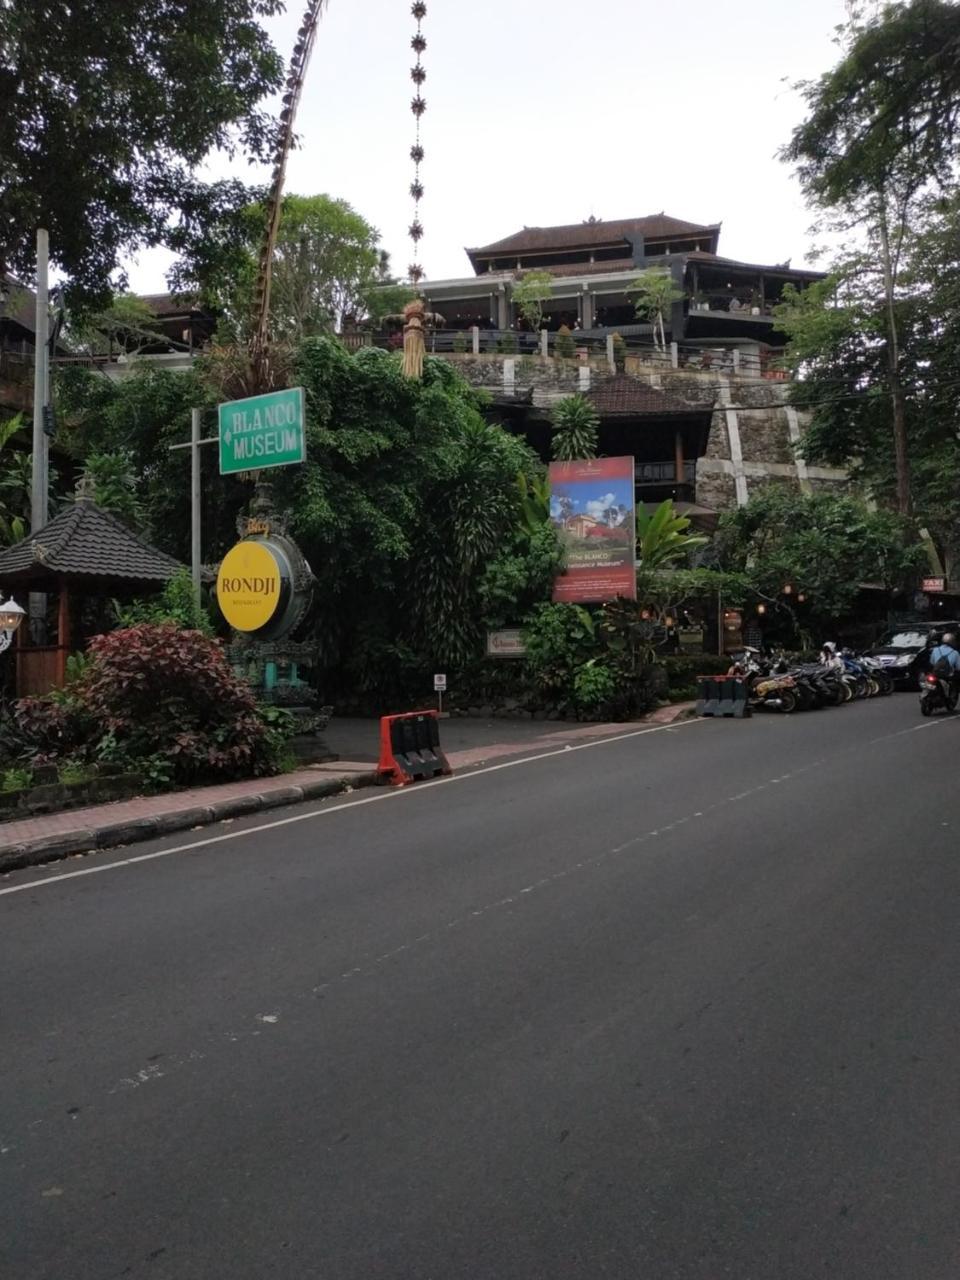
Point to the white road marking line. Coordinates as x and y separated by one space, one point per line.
393 794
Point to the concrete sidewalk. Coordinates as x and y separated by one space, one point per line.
467 743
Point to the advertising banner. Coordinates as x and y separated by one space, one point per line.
592 506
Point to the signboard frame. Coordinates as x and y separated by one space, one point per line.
505 643
262 416
593 507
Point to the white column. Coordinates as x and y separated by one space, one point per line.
736 448
793 427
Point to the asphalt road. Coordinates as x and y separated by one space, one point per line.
681 1005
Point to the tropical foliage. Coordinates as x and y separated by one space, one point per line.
662 536
576 428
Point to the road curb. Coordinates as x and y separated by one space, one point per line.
19 854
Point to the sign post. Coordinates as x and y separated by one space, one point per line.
439 688
262 431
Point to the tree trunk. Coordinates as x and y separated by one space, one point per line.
901 455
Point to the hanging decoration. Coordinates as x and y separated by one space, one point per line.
413 312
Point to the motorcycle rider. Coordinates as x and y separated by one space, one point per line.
945 662
829 657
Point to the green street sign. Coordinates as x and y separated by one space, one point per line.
262 431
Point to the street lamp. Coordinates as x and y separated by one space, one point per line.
11 615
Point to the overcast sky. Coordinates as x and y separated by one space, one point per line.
547 111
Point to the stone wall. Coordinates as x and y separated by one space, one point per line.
753 433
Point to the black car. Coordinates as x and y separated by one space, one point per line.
905 651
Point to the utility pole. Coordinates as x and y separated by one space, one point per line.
195 494
195 502
38 491
41 369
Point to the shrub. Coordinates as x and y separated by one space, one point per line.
156 692
594 685
15 779
507 343
559 639
460 342
72 772
563 346
53 726
177 603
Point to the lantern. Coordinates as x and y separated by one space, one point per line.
11 615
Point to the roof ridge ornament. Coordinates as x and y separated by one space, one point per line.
86 490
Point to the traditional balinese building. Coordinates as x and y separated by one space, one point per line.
593 265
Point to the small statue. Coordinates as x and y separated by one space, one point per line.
413 343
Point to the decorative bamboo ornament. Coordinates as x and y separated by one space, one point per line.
413 312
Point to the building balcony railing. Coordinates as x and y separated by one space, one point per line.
631 354
658 473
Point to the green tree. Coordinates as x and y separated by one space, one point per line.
576 428
530 292
825 545
837 346
14 485
109 112
864 159
328 265
141 416
114 480
408 506
126 322
654 294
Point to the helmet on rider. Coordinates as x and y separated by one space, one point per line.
950 639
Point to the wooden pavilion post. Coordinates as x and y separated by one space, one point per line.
678 448
63 633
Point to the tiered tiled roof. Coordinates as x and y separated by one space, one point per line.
85 542
575 235
623 396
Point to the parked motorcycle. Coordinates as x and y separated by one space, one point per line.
771 690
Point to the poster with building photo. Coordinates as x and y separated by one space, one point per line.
592 506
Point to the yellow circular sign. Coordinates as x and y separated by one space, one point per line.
248 586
